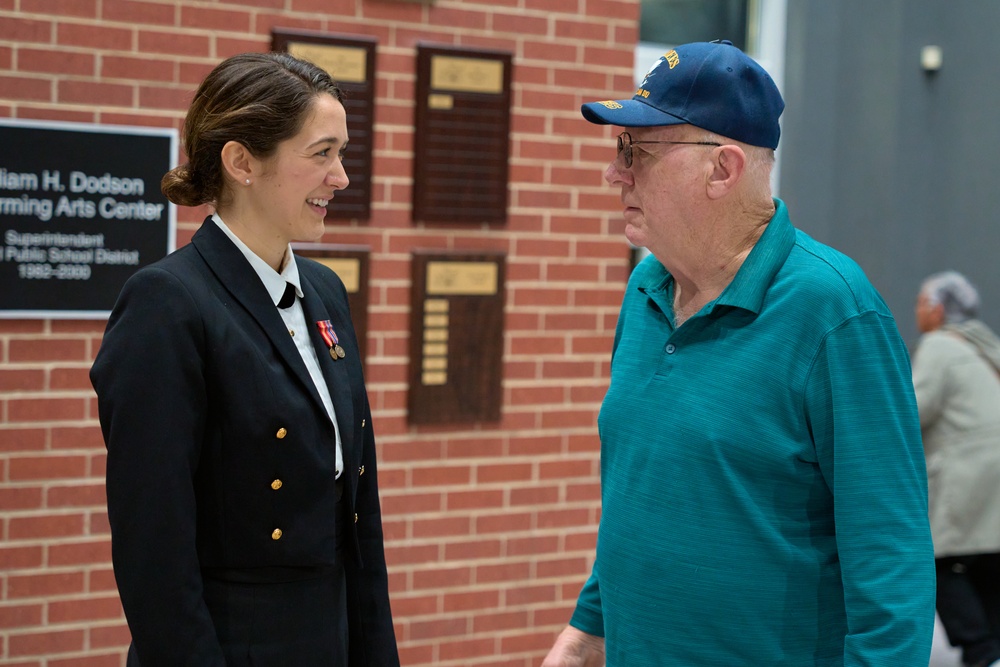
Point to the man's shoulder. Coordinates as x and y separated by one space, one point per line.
831 276
826 261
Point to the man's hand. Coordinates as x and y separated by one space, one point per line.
575 648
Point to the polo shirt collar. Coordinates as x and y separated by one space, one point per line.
749 286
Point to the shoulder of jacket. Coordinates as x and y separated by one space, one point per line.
944 343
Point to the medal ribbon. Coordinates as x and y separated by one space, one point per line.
330 337
327 332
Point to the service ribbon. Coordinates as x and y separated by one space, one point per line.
327 332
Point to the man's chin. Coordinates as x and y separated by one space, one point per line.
635 236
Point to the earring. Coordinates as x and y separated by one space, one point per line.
248 181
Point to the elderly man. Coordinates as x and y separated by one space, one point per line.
956 375
764 498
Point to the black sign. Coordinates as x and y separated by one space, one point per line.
80 211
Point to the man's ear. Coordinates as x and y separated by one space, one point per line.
239 163
729 164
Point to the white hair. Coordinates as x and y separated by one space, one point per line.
953 291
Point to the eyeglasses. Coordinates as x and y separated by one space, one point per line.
625 145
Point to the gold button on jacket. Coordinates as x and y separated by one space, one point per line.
281 433
276 484
276 534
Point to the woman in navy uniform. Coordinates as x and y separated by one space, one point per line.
241 476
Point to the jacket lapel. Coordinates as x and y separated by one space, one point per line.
239 279
336 372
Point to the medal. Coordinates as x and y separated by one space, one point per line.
331 340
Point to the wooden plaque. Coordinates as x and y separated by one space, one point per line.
462 135
350 262
456 337
351 63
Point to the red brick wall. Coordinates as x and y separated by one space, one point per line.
490 529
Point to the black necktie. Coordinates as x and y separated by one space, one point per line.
288 298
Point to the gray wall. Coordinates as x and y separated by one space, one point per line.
893 166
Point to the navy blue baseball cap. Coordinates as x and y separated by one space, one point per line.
711 85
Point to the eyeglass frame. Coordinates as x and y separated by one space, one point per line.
625 149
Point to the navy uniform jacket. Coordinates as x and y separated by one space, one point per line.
204 401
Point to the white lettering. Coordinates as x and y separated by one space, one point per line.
106 184
140 210
51 181
117 257
13 237
13 254
70 256
75 208
12 180
24 205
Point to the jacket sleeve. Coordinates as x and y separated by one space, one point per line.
370 621
864 422
151 397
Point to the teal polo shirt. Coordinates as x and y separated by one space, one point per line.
764 496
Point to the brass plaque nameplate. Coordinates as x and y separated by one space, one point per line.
436 305
343 63
436 350
436 335
434 378
440 101
435 363
348 269
462 278
467 75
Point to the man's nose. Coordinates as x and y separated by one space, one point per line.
617 173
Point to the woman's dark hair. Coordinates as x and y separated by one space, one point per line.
256 99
